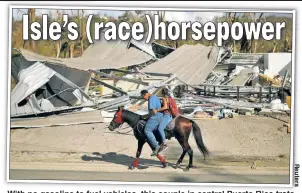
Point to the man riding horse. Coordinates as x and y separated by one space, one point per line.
160 117
143 128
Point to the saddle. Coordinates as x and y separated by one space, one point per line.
145 117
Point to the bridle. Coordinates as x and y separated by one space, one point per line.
132 128
118 130
120 122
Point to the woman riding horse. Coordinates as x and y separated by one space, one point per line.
181 131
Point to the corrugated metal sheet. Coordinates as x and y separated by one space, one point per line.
191 63
246 58
101 55
31 107
241 78
31 79
143 46
55 85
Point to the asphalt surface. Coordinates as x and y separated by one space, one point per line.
188 177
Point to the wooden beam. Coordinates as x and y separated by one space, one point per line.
288 126
109 86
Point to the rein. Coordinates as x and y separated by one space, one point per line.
132 129
123 129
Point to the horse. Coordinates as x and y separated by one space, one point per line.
181 130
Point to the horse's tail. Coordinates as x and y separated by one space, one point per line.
199 141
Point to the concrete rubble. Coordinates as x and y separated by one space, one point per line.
207 82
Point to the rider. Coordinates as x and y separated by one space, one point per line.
154 121
167 117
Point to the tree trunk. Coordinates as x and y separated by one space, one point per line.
81 24
82 33
275 47
161 15
285 42
25 42
32 18
58 42
231 19
255 46
58 48
254 19
71 48
234 46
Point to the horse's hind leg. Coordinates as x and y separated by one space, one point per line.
183 138
140 145
186 149
181 158
190 152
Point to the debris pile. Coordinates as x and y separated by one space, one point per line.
208 82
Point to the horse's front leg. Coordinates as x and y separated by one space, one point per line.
162 160
140 145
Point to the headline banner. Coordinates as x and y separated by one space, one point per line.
156 30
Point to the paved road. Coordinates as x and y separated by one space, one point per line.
213 177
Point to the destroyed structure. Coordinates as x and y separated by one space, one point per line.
207 81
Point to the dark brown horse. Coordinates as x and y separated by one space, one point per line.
181 131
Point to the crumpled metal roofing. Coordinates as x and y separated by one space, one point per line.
190 63
144 46
241 78
31 79
54 85
101 55
246 58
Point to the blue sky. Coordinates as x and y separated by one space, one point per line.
169 16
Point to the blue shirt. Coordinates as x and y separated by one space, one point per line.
154 103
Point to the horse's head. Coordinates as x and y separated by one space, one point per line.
117 120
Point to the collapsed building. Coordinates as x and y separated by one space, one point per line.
46 87
205 80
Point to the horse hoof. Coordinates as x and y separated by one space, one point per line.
131 167
165 165
186 169
176 166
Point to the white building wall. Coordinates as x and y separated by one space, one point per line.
276 62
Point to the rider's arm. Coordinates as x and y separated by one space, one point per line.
154 111
165 105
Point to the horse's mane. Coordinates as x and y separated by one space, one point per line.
133 115
130 112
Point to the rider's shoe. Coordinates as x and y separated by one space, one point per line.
163 147
155 152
